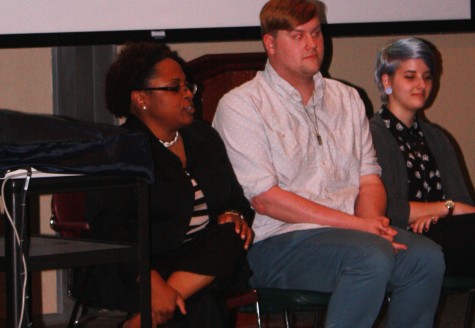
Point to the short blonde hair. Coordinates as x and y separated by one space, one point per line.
287 14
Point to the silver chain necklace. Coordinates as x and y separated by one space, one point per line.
169 143
315 122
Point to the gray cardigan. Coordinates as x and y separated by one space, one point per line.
394 172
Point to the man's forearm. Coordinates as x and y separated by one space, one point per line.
289 207
371 201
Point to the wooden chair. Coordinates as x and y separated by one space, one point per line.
68 219
68 215
217 74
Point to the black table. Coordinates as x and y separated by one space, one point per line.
48 252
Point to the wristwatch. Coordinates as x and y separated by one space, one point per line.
450 207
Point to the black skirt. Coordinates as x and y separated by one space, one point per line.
217 251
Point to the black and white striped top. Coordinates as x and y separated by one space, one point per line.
200 217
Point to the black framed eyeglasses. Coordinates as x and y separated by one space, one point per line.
192 87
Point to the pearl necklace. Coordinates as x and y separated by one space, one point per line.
315 120
170 143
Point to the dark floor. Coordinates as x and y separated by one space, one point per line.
450 316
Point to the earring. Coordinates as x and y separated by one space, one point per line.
388 90
144 107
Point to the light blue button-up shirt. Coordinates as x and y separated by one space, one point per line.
271 140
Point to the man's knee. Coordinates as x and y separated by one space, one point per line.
378 256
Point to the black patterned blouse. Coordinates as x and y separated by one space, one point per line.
424 177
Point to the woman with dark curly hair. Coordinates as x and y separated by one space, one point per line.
200 219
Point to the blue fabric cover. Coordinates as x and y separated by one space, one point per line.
55 144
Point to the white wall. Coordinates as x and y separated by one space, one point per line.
26 85
49 16
26 80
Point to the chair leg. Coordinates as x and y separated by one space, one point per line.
286 318
469 310
79 299
258 315
316 319
74 314
440 307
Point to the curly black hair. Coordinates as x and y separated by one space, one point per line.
131 70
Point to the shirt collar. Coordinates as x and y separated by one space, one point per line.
287 91
394 124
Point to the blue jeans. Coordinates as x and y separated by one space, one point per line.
358 268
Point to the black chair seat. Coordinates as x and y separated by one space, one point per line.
286 301
458 284
272 300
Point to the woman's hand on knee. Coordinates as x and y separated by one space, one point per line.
165 300
422 224
241 226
